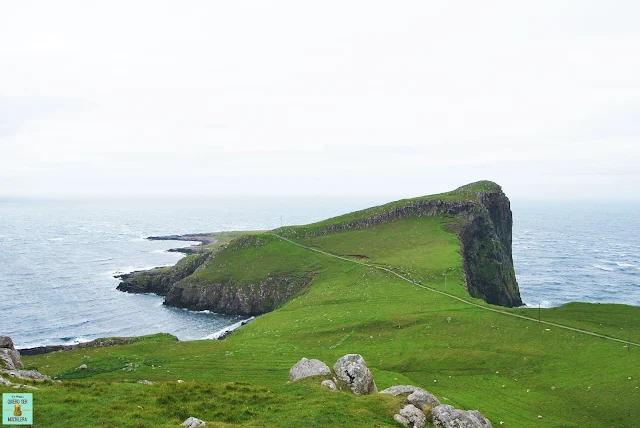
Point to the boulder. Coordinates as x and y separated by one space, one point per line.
422 399
399 390
26 374
82 367
4 382
445 416
353 371
307 368
193 423
6 342
145 382
411 416
9 356
329 384
416 396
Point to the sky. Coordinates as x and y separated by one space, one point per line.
331 98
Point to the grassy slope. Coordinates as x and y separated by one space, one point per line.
406 334
464 193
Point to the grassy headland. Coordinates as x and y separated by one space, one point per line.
512 370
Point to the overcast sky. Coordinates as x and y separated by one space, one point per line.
398 98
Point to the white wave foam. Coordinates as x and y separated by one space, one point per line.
56 239
608 269
229 329
625 265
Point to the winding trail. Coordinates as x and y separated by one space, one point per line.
460 299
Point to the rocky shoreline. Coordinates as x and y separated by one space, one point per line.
97 343
203 239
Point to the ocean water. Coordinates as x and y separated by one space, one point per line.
58 259
577 251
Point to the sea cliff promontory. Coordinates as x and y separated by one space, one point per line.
483 223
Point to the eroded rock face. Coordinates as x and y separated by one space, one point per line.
307 368
353 371
411 416
445 416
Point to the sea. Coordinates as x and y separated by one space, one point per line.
59 258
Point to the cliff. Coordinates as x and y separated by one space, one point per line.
487 260
227 297
243 278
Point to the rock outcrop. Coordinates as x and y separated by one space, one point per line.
160 280
445 416
308 368
353 371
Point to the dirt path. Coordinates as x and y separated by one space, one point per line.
460 299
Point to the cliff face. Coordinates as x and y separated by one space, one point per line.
227 297
486 251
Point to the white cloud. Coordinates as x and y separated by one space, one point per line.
334 98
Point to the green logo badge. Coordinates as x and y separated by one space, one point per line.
17 409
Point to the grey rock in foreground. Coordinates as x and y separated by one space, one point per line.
417 396
26 374
411 416
307 368
329 384
193 423
6 342
9 356
399 390
353 371
445 416
422 399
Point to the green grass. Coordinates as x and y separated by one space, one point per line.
468 357
255 258
465 193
